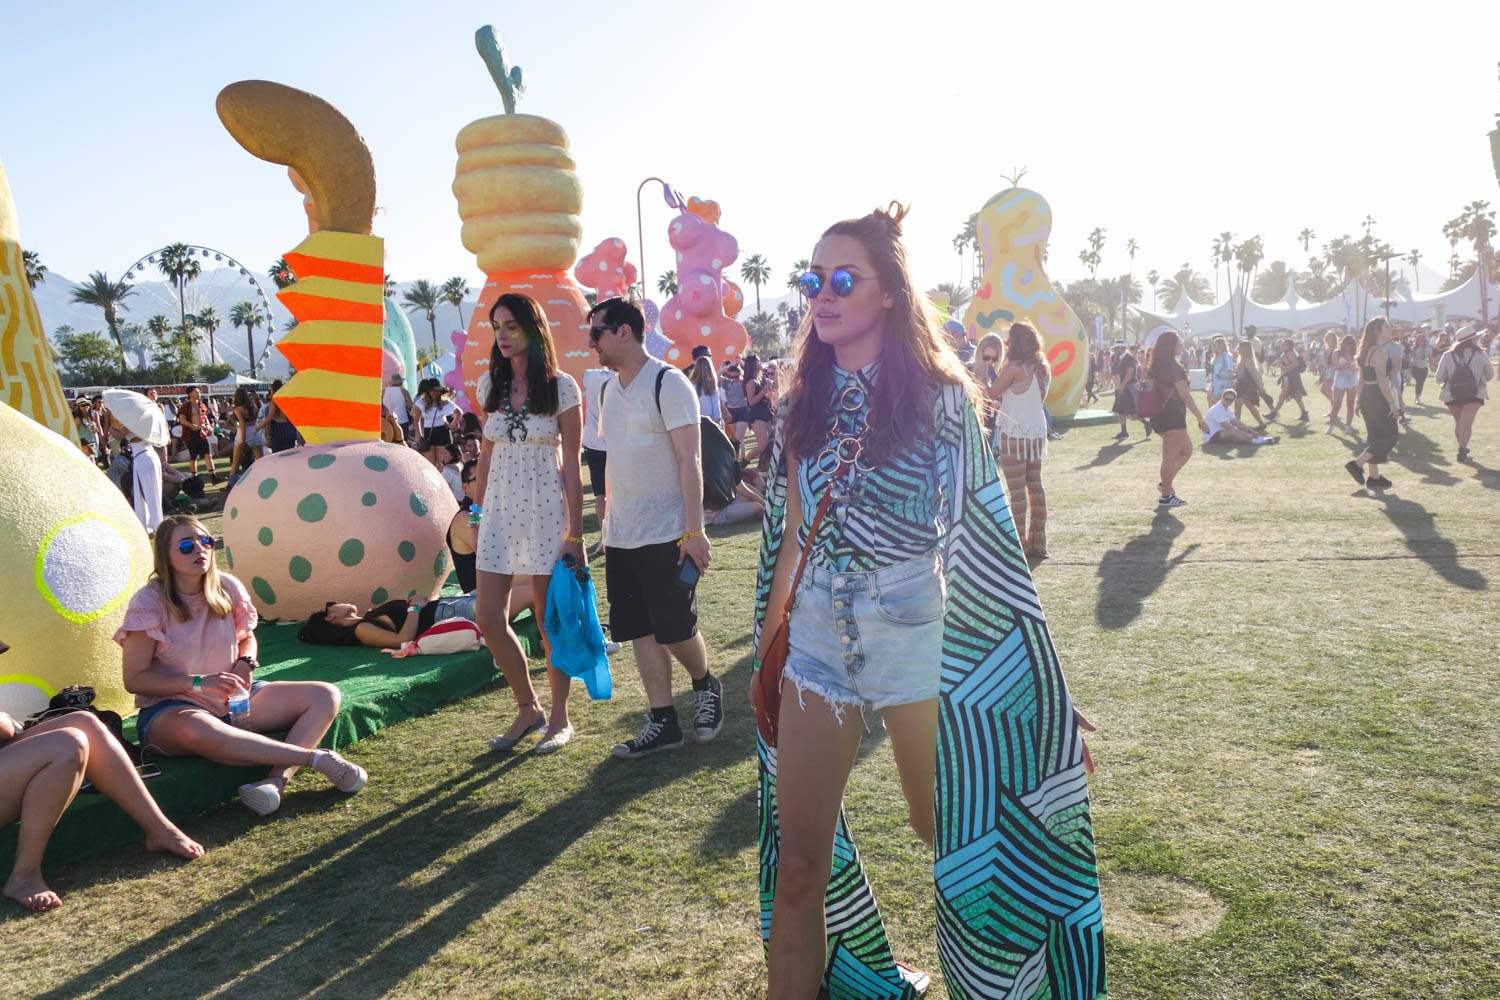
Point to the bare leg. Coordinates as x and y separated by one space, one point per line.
305 709
115 777
654 661
492 609
814 756
913 730
1463 423
192 732
559 683
38 778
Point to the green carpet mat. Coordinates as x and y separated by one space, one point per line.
1087 418
378 690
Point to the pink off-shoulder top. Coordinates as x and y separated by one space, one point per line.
203 644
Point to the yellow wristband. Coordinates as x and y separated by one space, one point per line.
692 534
573 538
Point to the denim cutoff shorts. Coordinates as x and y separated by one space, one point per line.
871 639
143 720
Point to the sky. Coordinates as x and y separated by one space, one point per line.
1166 123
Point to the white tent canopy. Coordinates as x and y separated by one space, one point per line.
234 380
1353 305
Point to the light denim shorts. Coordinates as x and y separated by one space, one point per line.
869 639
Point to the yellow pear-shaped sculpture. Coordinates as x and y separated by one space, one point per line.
1013 230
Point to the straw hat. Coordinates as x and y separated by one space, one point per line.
1466 332
143 418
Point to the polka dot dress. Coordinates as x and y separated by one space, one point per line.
525 516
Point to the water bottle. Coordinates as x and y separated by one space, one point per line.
239 709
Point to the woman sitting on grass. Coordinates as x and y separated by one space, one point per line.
189 642
40 771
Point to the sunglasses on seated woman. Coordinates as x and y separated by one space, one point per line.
187 545
841 281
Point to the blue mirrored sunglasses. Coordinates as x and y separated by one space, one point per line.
187 545
841 281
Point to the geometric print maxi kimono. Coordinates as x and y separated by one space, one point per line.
1017 891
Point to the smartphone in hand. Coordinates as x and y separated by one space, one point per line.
688 574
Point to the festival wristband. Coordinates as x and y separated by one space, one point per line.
573 538
197 682
692 534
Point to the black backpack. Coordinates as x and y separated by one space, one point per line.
716 453
1463 385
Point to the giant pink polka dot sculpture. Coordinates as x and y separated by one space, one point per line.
356 521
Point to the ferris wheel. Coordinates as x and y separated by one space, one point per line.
222 282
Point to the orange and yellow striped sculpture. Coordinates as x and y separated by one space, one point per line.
28 380
338 301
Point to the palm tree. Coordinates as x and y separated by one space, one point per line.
108 295
1317 284
1090 259
1131 246
967 239
1476 224
453 292
423 296
178 266
1271 285
1184 282
36 271
281 273
207 319
1416 280
390 287
958 295
1369 221
133 338
667 283
794 277
1152 277
764 330
1306 237
247 314
756 271
1247 258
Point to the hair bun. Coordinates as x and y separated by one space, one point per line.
892 215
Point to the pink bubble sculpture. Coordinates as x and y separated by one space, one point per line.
695 315
605 270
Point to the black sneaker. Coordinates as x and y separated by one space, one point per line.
1122 435
708 711
656 736
1379 482
1171 500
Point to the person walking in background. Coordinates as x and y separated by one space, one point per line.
757 395
1395 349
197 425
706 385
1220 370
436 413
398 401
1378 403
1421 363
531 495
1021 433
1248 386
1464 373
1170 380
595 455
1345 369
280 434
1292 366
985 368
1125 371
244 411
655 547
734 404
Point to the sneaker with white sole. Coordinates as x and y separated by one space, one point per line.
708 711
346 777
1170 500
261 797
656 736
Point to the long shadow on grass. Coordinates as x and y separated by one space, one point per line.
1419 526
1487 477
1418 453
1108 453
1129 575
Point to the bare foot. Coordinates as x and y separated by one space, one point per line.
526 720
174 840
31 892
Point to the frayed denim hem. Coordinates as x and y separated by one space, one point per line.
837 702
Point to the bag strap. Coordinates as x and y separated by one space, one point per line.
812 533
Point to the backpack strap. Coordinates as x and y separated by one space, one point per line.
661 374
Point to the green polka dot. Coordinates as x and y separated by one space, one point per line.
351 552
313 508
377 463
266 488
407 551
234 512
410 594
418 506
263 590
321 461
380 596
368 499
299 569
229 557
440 564
265 536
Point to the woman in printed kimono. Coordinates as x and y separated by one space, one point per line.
916 601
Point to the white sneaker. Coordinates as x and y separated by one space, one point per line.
261 797
346 777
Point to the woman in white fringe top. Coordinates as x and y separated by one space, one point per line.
1021 433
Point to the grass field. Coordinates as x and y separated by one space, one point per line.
1294 682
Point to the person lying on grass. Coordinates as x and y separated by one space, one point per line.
41 770
189 647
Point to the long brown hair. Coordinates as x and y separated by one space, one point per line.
1370 338
703 378
541 357
161 573
1025 346
1246 353
914 362
1163 354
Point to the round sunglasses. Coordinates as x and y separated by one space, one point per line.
187 545
841 281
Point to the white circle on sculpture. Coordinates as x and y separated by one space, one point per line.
85 568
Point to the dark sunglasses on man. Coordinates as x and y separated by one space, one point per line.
595 332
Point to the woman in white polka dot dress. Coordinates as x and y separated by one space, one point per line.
531 493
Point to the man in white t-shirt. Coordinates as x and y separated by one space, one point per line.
654 544
595 452
1223 428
